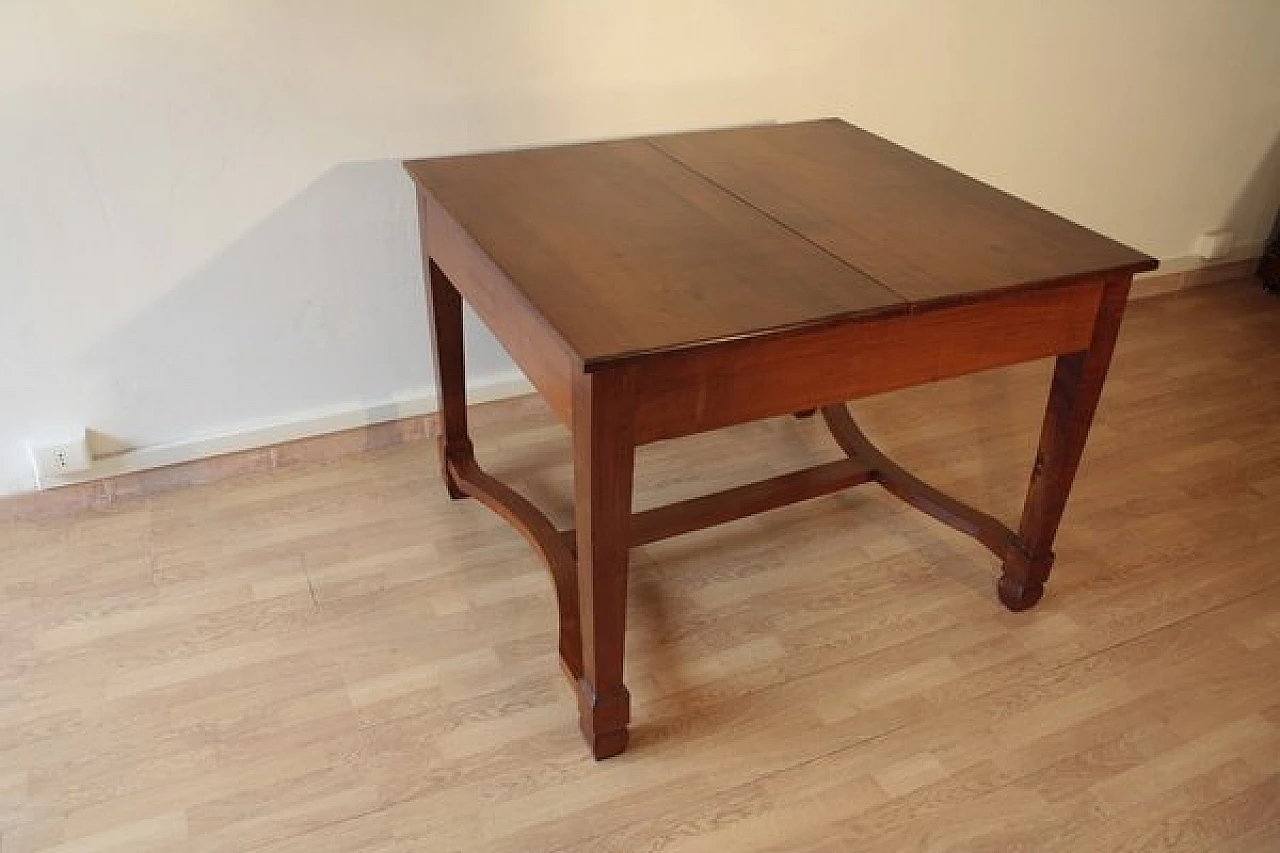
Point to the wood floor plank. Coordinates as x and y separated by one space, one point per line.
335 658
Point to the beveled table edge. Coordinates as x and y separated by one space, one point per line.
591 364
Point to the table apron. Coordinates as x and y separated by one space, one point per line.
708 388
532 343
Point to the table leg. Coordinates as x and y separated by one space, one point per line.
1073 398
603 460
446 335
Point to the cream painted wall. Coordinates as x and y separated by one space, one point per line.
203 225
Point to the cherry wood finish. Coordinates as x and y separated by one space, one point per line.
603 462
924 231
446 336
698 513
541 353
1073 399
697 390
463 476
625 252
988 530
751 499
655 288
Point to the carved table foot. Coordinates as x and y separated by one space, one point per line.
604 720
1022 580
1019 594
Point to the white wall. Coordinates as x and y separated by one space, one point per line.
203 224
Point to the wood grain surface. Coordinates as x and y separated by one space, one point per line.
649 245
658 288
336 658
928 233
699 389
624 251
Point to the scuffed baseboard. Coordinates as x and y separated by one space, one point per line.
258 447
339 432
1191 271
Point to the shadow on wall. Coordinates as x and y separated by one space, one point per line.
318 306
1259 201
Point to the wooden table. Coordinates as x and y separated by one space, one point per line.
659 287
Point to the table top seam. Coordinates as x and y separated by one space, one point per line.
845 262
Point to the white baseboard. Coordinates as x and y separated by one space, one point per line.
1191 263
311 424
1192 271
1174 274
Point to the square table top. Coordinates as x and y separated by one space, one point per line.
640 246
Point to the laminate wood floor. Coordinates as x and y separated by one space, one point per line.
335 657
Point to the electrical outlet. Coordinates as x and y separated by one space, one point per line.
1212 245
53 463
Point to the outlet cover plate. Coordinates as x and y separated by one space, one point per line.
55 461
